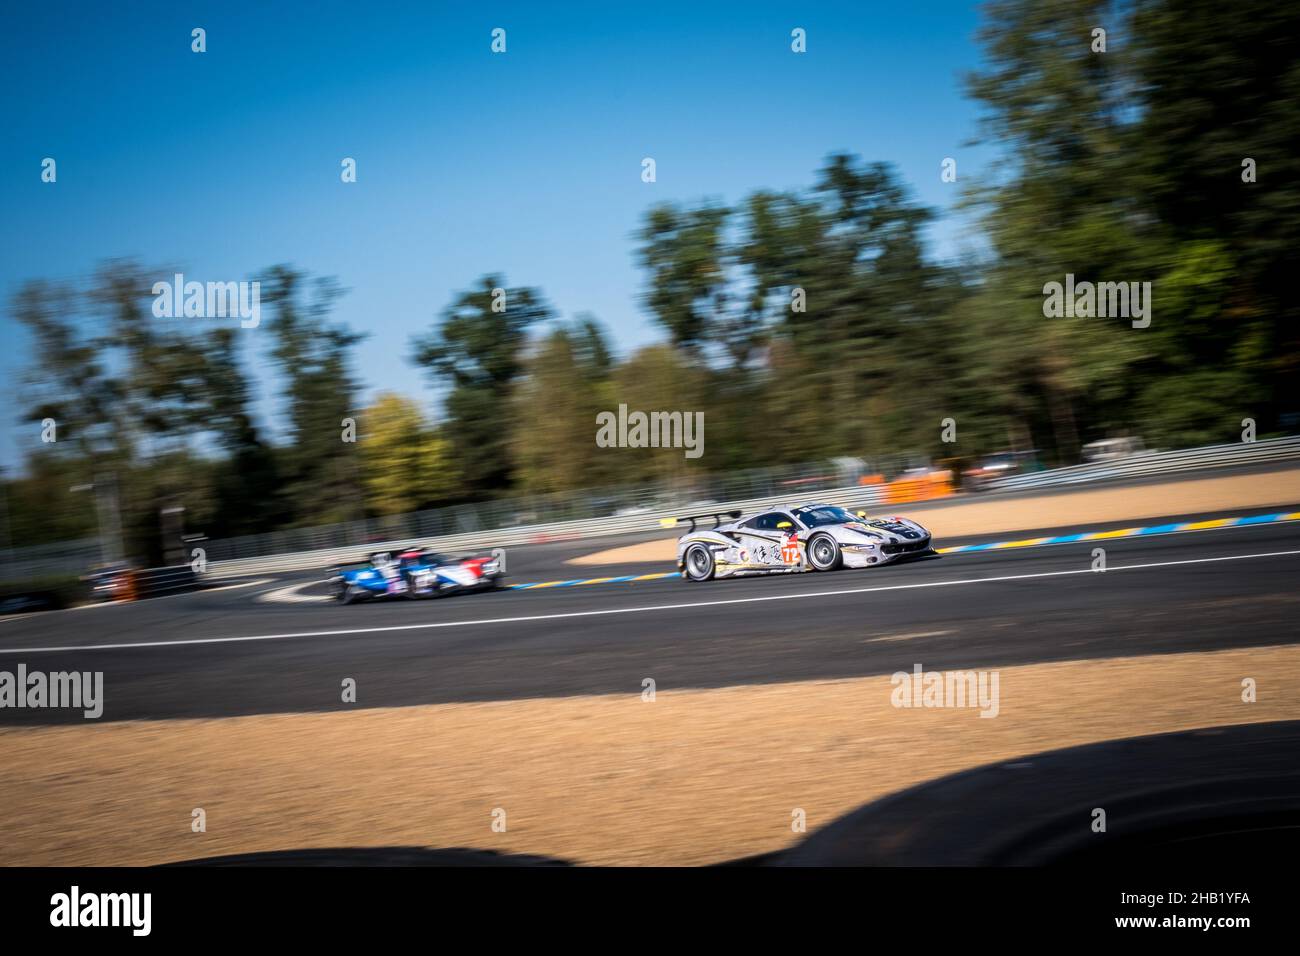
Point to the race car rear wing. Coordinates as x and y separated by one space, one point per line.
717 517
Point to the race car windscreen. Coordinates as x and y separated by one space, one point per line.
816 517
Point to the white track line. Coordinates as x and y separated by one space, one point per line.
907 637
231 587
290 595
639 610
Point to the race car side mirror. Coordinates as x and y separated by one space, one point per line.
784 524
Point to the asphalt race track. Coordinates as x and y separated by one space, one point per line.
232 651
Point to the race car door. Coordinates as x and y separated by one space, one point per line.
766 541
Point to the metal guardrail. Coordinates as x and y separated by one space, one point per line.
48 560
853 496
155 582
506 523
1156 463
790 481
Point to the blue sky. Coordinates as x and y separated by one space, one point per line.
526 163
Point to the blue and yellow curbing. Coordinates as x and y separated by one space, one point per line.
1210 525
624 579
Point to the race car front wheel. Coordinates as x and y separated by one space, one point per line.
824 553
345 594
699 563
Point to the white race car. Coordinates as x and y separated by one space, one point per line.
811 537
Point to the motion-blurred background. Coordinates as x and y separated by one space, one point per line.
776 171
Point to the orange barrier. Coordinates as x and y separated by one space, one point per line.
935 485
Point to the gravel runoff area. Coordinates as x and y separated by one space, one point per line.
693 777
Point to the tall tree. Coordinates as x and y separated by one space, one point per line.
663 378
246 480
1214 146
320 394
127 394
843 276
563 387
477 348
1064 203
68 380
407 463
684 251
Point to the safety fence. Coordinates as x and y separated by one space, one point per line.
612 511
136 584
1237 454
59 558
608 504
868 491
859 496
154 582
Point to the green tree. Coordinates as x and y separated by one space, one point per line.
1127 166
661 378
1219 88
477 347
246 480
563 387
1065 202
322 479
843 277
684 251
407 464
68 380
128 393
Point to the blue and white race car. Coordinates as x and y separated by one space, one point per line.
416 573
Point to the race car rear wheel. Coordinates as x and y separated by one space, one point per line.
824 553
698 561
